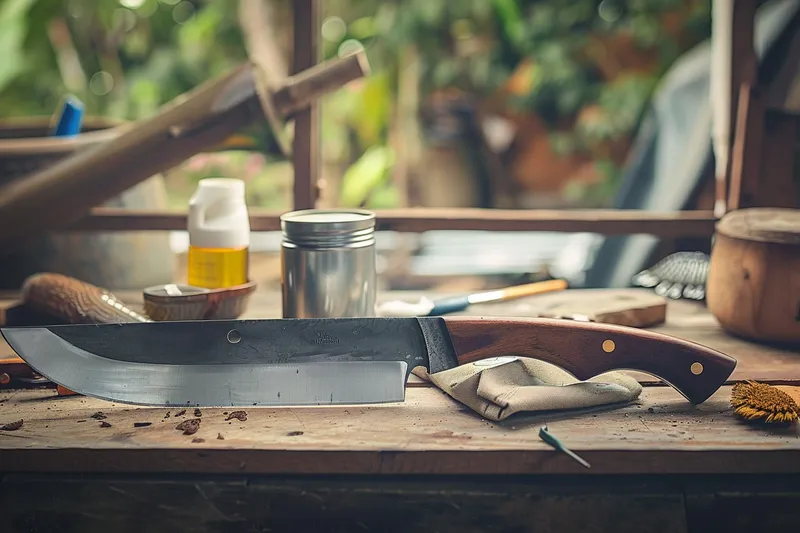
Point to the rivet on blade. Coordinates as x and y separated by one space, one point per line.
234 336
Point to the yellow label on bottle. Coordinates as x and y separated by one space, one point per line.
215 268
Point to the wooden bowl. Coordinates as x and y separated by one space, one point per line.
753 286
195 303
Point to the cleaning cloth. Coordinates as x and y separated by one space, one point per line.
499 387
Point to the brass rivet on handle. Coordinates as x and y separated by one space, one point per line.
696 368
609 346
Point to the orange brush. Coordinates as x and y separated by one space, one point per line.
764 403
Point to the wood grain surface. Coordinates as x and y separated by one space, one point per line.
427 434
754 275
637 308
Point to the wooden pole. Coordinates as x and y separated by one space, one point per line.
419 219
305 150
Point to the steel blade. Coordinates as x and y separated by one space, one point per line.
417 341
284 383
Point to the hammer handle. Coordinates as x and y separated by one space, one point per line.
309 85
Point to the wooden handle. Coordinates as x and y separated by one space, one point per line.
532 289
587 349
309 85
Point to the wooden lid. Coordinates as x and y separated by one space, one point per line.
764 224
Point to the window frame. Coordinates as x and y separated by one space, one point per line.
306 162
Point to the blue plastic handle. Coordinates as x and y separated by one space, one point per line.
71 119
449 305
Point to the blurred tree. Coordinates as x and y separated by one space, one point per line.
579 72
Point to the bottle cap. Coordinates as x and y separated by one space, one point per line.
218 215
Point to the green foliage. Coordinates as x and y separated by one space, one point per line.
13 28
151 53
125 62
366 175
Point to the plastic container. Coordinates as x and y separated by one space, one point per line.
219 234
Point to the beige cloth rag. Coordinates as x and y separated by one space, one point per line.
499 387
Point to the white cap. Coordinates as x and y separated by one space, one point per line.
218 215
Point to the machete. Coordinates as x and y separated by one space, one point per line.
337 360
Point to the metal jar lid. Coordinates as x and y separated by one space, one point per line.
325 228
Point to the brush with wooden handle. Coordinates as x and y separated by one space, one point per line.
454 304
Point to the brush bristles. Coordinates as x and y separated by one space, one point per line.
759 401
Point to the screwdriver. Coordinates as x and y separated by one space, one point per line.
550 439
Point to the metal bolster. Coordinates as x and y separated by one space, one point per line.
441 354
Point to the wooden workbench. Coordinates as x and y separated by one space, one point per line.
427 464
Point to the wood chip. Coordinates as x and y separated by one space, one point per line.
240 415
12 426
189 427
141 424
294 433
198 439
105 424
198 413
166 415
181 413
220 437
99 416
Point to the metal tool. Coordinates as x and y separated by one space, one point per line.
553 441
337 360
680 275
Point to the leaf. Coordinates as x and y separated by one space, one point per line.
386 196
365 175
371 109
13 29
512 22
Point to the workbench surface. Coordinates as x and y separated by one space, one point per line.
428 464
427 434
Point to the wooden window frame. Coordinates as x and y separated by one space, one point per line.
306 171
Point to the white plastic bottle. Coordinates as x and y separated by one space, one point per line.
219 234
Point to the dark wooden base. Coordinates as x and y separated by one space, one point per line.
627 504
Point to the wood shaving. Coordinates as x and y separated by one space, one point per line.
181 413
198 413
220 437
105 424
240 415
12 426
189 427
141 424
198 440
99 416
